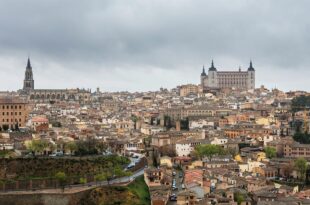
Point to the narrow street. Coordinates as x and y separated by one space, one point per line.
179 181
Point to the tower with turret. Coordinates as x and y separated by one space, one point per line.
251 77
28 80
212 75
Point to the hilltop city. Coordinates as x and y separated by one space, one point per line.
222 140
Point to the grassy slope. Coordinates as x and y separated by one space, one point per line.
140 188
134 194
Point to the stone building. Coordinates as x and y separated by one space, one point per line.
13 112
48 95
51 95
228 79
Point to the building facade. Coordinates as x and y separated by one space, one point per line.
188 89
13 113
51 95
228 79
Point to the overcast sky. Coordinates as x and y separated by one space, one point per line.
142 45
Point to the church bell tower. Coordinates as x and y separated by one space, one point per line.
28 81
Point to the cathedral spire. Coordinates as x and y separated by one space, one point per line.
28 81
28 64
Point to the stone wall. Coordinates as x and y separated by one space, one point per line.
42 198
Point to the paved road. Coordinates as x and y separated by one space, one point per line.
114 181
178 185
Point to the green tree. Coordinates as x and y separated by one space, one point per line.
301 165
83 180
239 198
56 124
110 172
167 150
300 103
303 138
101 146
37 146
100 177
72 147
5 127
271 152
86 147
208 150
167 122
62 179
16 127
185 124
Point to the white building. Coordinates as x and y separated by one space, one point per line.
199 123
184 148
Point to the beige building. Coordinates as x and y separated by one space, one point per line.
296 150
188 89
13 112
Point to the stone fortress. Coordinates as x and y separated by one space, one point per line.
228 79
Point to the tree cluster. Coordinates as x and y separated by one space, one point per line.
303 138
300 103
271 152
90 147
301 166
39 146
209 150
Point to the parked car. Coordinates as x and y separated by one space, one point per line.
107 153
173 197
57 154
131 165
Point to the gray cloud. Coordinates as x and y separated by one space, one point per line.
143 45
